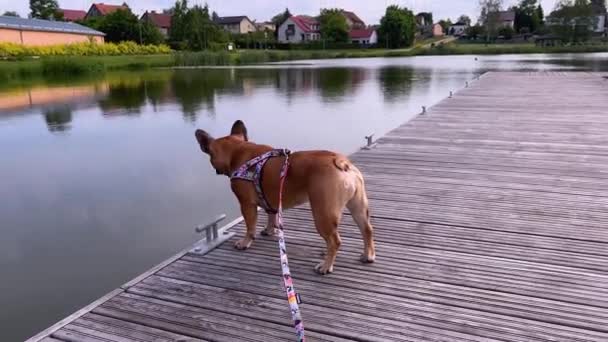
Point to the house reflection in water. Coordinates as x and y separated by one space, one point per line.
56 101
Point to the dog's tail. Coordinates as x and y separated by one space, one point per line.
342 164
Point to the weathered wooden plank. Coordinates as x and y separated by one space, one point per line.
448 318
489 215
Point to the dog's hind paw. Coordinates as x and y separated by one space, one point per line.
367 259
322 269
267 232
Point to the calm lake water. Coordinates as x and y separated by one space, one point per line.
102 179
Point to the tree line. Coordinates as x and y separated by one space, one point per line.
571 21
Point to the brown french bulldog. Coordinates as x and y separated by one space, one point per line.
327 180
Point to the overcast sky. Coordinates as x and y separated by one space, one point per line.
369 10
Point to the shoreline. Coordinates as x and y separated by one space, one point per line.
16 71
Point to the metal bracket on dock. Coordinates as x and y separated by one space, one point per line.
213 236
370 142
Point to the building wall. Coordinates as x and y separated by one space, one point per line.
437 30
299 36
40 38
232 28
296 38
247 26
371 40
10 36
457 30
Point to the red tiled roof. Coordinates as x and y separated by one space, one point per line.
359 34
305 23
160 20
72 15
353 17
107 9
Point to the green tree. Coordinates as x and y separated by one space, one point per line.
490 17
465 19
397 27
192 28
540 14
506 32
177 31
45 9
120 25
334 27
526 16
475 31
150 34
278 19
445 25
573 20
11 14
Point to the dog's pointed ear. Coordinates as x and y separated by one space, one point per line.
238 128
204 139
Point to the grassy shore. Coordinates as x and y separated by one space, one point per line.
87 65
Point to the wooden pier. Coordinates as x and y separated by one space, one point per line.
491 221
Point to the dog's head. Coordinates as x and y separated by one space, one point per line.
220 150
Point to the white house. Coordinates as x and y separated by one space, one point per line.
458 29
299 29
367 36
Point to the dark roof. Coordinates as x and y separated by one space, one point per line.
358 34
230 20
72 15
107 9
46 25
161 20
460 23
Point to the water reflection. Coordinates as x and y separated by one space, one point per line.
395 82
116 186
58 119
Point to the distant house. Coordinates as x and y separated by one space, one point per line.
458 29
236 24
506 18
299 29
438 30
36 32
421 20
598 9
72 15
265 26
367 36
353 21
162 21
101 9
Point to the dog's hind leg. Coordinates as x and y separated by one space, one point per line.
270 226
359 209
327 221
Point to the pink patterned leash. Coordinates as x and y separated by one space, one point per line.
292 297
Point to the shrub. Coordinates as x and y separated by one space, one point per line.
82 49
59 66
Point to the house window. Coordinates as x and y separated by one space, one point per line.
303 37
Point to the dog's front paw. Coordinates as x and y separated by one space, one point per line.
243 244
323 269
